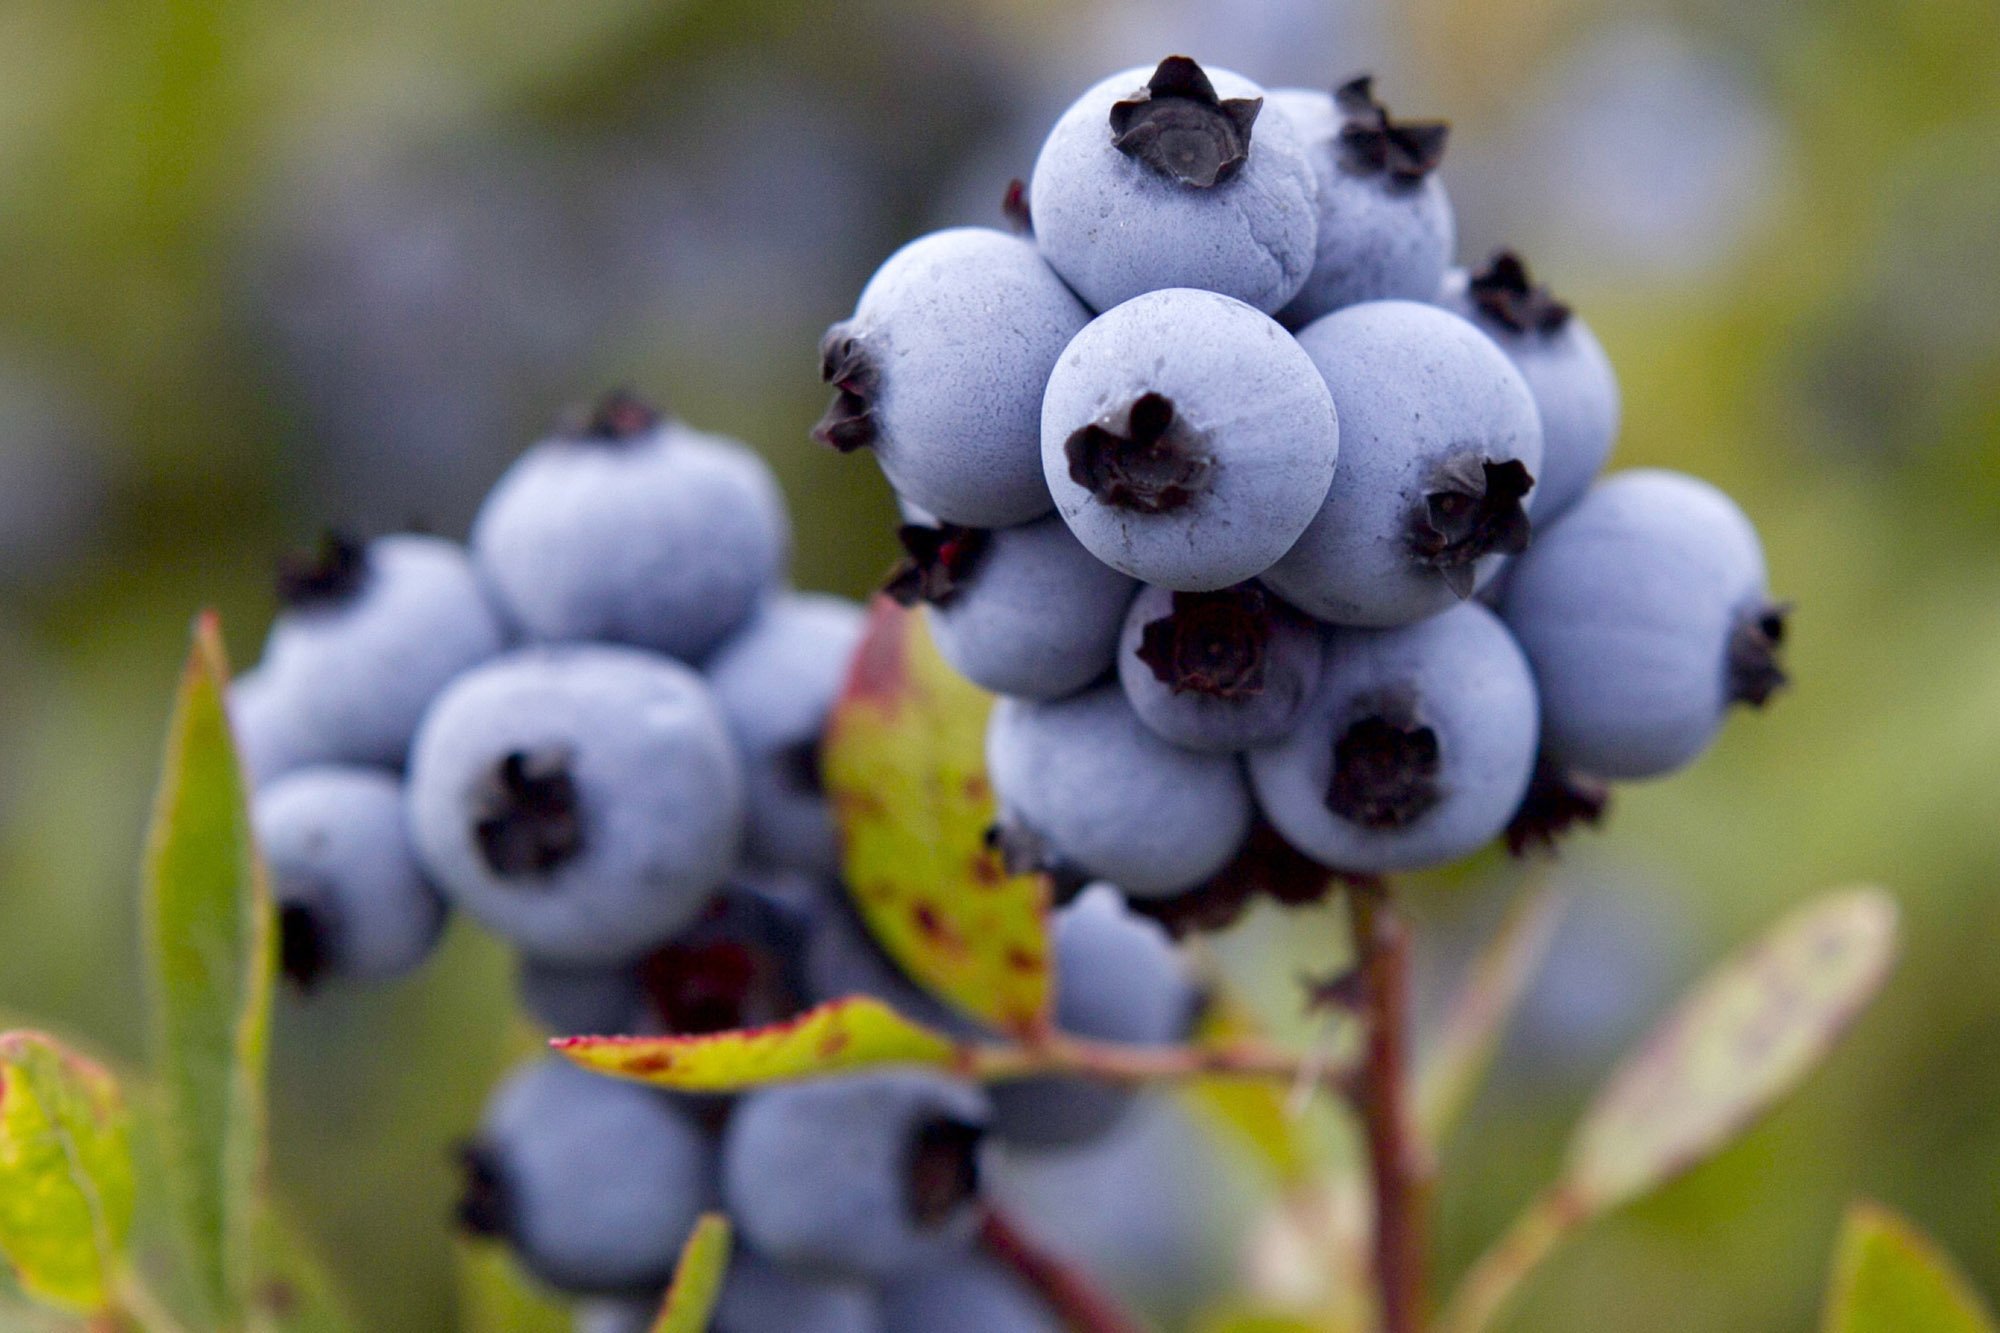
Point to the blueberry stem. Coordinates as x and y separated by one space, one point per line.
1075 1299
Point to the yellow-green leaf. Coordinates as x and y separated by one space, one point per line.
1888 1277
835 1038
209 948
905 765
1256 1113
697 1279
65 1173
1737 1044
493 1297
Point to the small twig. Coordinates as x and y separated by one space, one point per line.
1112 1062
1073 1297
1486 1289
1396 1156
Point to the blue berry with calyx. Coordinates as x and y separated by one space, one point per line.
1025 611
368 635
1087 789
582 801
776 682
1575 389
1416 750
759 1296
872 1176
1188 439
1175 177
629 528
1118 979
1386 229
351 902
593 1183
969 1295
1439 447
1220 671
1646 613
939 373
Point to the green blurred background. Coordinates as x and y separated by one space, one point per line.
269 266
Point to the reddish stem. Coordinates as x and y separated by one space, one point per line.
1396 1157
1075 1299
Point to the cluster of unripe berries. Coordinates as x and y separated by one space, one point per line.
595 730
1274 529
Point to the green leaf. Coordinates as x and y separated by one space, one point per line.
698 1278
905 766
493 1297
1255 1113
1888 1277
835 1038
295 1293
209 949
65 1173
1732 1049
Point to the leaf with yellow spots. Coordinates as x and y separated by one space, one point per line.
836 1038
697 1278
905 766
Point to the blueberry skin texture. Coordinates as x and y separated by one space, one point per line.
1118 978
581 999
1108 798
1576 396
1471 687
1260 413
333 838
1195 720
658 788
1625 606
1379 239
269 726
961 328
1415 385
357 672
1039 616
818 1174
971 1295
760 1297
602 1180
1114 227
668 540
776 682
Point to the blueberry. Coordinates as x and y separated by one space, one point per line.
1439 447
969 1295
1415 750
367 637
617 1314
627 528
1170 177
777 682
941 368
1385 223
1226 670
351 901
272 737
1188 439
871 1176
1024 611
1085 787
761 1297
593 1182
1645 612
1118 978
842 958
583 801
601 999
1576 393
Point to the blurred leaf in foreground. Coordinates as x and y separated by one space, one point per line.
905 764
493 1297
65 1173
209 947
1888 1277
697 1279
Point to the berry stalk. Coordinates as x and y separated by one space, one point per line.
1076 1301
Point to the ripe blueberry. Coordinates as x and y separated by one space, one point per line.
968 1295
1221 671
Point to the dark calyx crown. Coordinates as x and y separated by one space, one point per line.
329 575
1372 142
619 417
1178 126
485 1206
1144 458
1385 764
306 941
937 562
943 1170
849 423
1471 509
1506 293
1558 800
1212 643
1755 674
529 821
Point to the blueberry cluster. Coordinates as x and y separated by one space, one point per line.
1282 538
595 730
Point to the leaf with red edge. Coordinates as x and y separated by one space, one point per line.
838 1037
905 767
